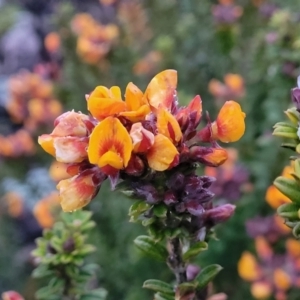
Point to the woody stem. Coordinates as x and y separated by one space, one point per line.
175 261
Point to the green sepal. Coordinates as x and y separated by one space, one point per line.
288 211
159 286
297 167
194 250
293 115
296 230
207 275
151 248
286 132
289 188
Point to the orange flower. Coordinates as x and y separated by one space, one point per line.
261 290
248 268
163 154
275 198
293 247
235 82
142 138
162 89
14 203
52 42
282 280
44 210
168 125
230 123
210 156
263 249
110 146
77 192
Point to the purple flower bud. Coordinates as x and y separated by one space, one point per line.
219 214
176 182
194 208
148 192
295 93
191 272
170 198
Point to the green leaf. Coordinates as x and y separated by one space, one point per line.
296 231
194 250
41 271
160 210
159 286
148 246
288 211
285 131
148 221
160 296
207 275
293 115
289 188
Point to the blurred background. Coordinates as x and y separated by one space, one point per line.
54 52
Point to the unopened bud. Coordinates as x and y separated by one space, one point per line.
220 214
11 295
135 166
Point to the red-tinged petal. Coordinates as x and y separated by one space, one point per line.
103 102
76 192
162 154
168 125
110 144
230 123
142 138
212 157
47 143
133 97
195 106
162 89
282 279
263 248
11 295
261 290
71 124
70 149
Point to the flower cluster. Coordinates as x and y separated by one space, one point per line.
226 13
31 101
94 39
271 274
149 143
232 88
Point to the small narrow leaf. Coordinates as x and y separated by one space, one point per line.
207 275
288 211
160 210
159 286
288 187
148 246
194 250
160 296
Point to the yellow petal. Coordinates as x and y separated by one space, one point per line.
47 143
162 154
248 268
230 123
168 125
133 97
110 136
161 89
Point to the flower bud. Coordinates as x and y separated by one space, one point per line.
135 166
142 139
78 191
212 157
220 213
295 95
192 271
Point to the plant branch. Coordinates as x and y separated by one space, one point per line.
175 261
